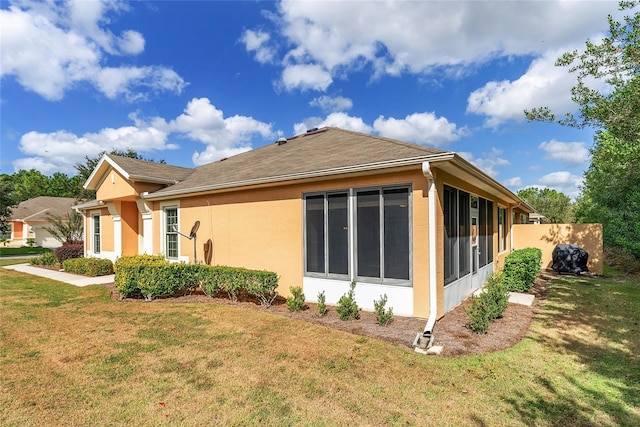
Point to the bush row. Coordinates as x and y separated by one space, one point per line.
521 268
152 276
88 266
489 305
347 307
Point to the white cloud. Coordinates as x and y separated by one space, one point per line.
516 181
256 42
572 153
330 104
422 37
420 128
201 121
306 77
50 47
563 182
488 163
61 150
543 84
340 120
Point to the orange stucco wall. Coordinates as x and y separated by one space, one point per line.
115 187
263 228
106 230
129 218
547 236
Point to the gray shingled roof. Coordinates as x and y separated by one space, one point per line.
140 170
321 150
38 208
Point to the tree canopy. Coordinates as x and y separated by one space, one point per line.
552 204
611 191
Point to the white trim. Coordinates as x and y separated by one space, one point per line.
163 227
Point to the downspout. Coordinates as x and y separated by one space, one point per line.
425 340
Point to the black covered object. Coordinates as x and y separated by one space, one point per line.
570 259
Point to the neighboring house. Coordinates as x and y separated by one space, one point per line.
536 218
422 225
29 219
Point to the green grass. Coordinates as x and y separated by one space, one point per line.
12 261
73 356
24 250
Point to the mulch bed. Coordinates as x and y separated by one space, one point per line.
450 331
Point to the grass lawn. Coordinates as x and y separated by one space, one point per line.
24 250
72 356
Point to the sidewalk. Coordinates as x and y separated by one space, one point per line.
61 276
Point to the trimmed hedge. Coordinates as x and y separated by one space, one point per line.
70 250
521 268
129 269
88 266
152 276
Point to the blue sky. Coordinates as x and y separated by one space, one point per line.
192 82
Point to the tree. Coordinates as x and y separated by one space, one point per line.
616 61
554 205
6 202
28 184
66 229
611 193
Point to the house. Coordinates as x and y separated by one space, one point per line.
321 209
536 218
30 218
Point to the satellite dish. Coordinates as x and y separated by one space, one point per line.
194 230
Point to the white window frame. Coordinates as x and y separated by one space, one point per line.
163 232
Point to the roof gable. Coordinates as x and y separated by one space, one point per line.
39 208
137 171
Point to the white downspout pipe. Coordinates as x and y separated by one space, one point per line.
425 340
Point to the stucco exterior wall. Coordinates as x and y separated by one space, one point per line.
263 228
129 217
547 236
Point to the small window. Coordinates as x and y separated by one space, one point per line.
502 229
96 234
171 234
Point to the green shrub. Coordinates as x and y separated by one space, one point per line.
489 305
521 268
296 301
152 276
347 307
383 316
322 304
230 280
262 285
478 315
88 266
129 269
69 250
47 258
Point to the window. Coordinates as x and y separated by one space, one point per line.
171 234
381 237
502 228
459 206
327 233
96 233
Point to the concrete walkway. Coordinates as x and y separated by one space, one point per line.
61 276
